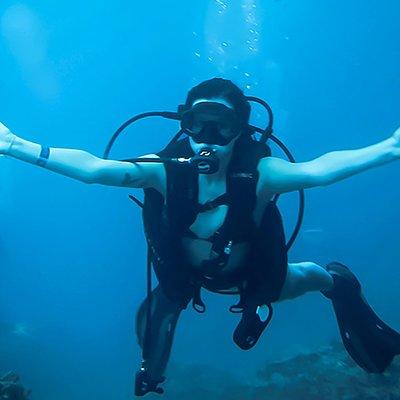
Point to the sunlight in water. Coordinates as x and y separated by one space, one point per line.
28 42
229 50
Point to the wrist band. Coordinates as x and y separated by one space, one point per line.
44 156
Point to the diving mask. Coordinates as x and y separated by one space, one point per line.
212 123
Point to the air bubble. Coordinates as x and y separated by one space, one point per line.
222 4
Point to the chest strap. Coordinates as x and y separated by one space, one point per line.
210 205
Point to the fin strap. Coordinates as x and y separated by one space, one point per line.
197 303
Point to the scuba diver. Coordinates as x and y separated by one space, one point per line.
211 221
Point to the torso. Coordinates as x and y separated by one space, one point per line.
207 223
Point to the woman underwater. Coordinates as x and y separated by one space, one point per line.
220 230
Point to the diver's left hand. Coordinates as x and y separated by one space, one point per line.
396 143
6 139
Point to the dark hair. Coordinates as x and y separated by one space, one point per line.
219 87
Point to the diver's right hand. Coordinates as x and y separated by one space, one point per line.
6 139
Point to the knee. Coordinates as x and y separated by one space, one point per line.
311 277
315 276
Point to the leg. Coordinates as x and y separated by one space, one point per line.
305 277
300 278
165 314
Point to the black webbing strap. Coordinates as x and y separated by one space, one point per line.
210 205
147 336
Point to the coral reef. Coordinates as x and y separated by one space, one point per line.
327 374
11 389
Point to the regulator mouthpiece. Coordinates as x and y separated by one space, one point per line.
206 161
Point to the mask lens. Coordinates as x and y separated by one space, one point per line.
211 137
211 122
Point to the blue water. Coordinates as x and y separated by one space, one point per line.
73 255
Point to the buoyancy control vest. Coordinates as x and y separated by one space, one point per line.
167 220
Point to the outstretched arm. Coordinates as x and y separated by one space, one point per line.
79 164
279 176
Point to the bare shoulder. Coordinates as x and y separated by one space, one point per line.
281 176
268 165
155 173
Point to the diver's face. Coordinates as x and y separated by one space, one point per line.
219 150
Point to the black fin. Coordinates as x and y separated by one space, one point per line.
369 341
250 327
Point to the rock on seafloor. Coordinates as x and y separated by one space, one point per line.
327 373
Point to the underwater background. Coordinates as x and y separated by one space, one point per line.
72 256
